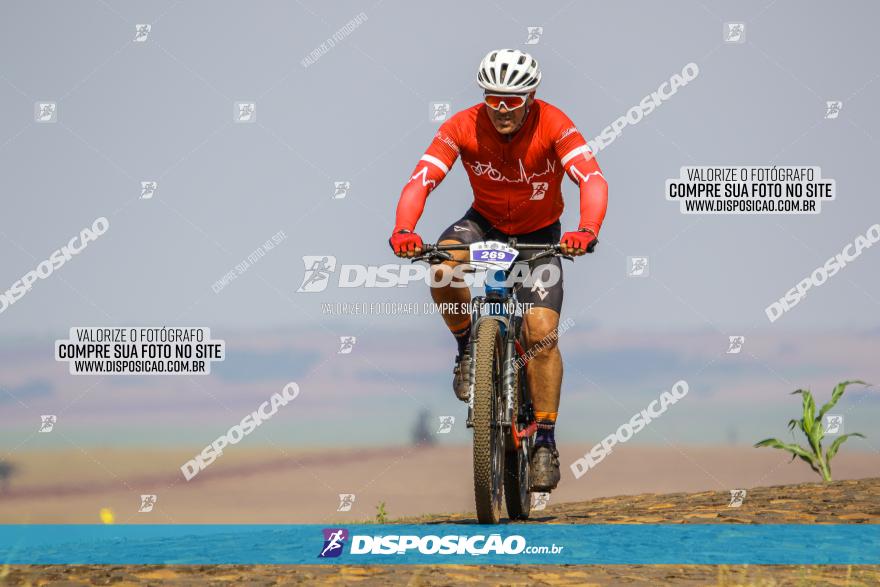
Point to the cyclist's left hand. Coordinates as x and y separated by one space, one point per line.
577 243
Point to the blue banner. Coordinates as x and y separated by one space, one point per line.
606 544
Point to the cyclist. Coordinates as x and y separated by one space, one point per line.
515 150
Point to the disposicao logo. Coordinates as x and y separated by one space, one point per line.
334 540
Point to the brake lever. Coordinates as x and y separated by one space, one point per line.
540 256
433 256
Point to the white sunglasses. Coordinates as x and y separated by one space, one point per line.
509 101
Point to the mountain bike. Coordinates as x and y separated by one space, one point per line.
500 409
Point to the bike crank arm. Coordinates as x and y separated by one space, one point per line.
518 435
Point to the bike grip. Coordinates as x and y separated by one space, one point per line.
592 246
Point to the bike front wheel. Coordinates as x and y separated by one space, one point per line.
487 417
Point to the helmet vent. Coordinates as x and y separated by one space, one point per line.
508 70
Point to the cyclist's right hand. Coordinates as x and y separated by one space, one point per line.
406 243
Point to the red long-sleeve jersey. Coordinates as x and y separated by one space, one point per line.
516 179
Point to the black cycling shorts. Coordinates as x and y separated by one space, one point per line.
473 227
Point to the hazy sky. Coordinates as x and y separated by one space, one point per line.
163 110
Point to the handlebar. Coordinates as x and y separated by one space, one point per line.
432 252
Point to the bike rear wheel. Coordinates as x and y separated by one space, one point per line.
488 433
517 495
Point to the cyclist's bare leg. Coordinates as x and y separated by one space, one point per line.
455 313
545 367
454 295
544 374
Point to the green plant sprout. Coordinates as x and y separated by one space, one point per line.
381 514
811 425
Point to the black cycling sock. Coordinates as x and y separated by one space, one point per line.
546 434
462 338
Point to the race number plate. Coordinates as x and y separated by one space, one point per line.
493 255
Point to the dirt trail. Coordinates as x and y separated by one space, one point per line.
843 502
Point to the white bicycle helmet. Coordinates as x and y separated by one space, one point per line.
508 71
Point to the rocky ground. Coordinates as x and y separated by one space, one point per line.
843 502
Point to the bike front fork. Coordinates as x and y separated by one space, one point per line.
508 385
